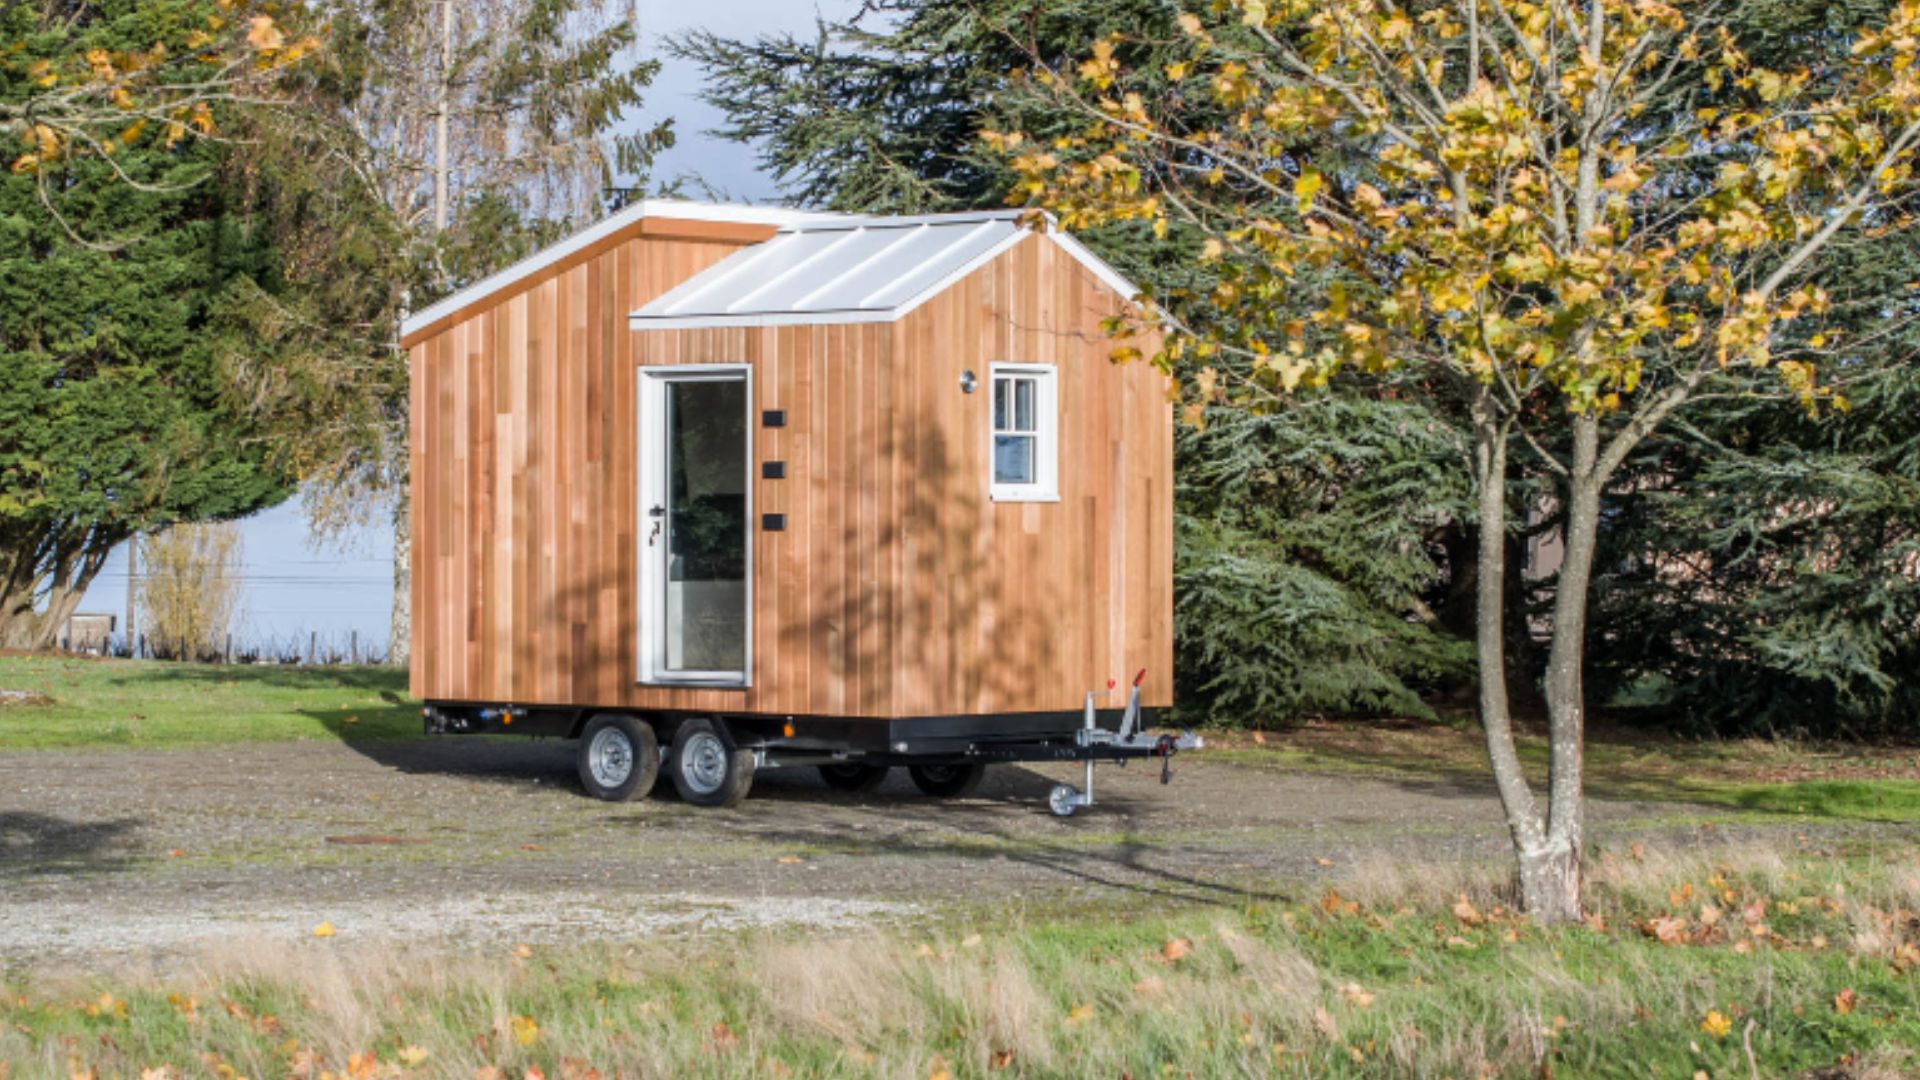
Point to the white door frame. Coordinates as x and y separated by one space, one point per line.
652 458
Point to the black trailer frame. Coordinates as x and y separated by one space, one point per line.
1090 736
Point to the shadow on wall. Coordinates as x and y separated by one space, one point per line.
929 631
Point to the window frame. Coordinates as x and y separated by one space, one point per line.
1046 433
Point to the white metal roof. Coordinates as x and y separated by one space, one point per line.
869 269
681 209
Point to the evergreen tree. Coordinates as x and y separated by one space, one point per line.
1761 569
112 412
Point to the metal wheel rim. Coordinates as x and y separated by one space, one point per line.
1060 800
703 762
610 757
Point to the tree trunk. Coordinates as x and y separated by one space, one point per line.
1496 719
1565 686
1549 878
400 642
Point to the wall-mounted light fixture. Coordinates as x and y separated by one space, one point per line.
967 382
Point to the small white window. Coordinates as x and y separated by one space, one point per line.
1026 433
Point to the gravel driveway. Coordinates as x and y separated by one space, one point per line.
135 851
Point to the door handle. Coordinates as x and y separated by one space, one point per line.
658 514
655 534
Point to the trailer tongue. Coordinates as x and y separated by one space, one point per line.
1091 744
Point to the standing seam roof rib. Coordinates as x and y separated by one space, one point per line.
857 270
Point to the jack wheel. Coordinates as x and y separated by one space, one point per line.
1063 800
853 776
707 769
619 757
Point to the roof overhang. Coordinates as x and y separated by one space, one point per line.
737 223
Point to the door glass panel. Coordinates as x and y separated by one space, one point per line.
706 594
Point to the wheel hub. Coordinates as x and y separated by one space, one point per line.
703 762
610 758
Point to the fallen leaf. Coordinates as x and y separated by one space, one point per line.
1355 996
533 847
971 941
525 1031
523 951
411 1056
1465 911
533 1073
1001 1059
1667 929
1079 1014
325 929
1455 941
1638 850
1323 1023
1716 1024
488 1072
723 1036
1149 985
1709 915
174 853
1260 738
790 860
937 1070
1324 862
1177 949
1845 1001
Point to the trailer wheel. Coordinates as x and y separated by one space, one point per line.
853 775
707 769
619 757
947 781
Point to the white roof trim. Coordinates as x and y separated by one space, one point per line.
679 209
658 314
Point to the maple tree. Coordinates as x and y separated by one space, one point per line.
103 100
1505 228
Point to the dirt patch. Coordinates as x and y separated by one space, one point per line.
22 698
138 850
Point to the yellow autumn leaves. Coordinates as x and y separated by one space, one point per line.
1516 222
97 101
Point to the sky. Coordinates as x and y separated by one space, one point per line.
295 590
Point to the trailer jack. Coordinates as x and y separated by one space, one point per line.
1094 743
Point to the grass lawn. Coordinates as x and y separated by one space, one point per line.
1836 781
1743 963
150 703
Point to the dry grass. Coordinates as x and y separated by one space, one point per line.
1391 975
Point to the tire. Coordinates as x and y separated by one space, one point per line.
619 757
707 770
947 781
853 776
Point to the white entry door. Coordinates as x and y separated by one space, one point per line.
696 492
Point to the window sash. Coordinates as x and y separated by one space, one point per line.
1024 433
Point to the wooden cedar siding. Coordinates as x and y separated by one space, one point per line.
1026 606
897 589
522 411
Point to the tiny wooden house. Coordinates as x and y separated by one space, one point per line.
809 484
